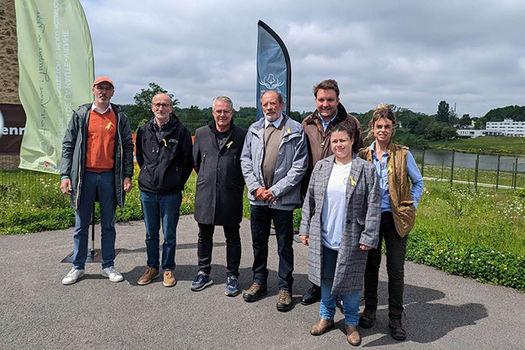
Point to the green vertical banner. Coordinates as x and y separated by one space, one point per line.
55 56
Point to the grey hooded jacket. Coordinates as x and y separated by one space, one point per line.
290 168
73 161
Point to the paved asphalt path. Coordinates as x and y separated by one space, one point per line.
38 312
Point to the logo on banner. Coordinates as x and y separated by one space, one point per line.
271 82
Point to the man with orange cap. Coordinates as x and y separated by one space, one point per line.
97 164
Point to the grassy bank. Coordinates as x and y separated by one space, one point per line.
479 235
505 178
484 144
32 202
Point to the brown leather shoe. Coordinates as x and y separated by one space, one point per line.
169 279
284 302
352 335
321 326
255 292
148 276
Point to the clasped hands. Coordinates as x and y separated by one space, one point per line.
262 194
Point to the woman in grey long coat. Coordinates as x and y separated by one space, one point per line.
340 223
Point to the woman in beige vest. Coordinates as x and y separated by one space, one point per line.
401 186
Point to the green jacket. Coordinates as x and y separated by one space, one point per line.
73 161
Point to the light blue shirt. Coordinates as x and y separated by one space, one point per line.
413 173
276 123
325 124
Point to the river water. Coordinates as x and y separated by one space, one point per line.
468 160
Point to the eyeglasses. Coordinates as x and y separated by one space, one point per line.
103 88
223 111
158 105
385 127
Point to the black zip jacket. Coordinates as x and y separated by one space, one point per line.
164 155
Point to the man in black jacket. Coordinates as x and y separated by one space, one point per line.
164 156
219 194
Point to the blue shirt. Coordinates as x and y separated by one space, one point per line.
325 124
413 173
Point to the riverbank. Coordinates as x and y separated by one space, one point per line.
504 145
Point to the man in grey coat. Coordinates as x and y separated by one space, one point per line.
218 198
274 160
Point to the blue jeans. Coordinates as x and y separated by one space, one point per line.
101 185
159 208
261 217
328 300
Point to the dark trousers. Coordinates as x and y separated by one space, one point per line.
261 217
395 265
233 248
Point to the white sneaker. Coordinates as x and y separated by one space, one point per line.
112 274
72 276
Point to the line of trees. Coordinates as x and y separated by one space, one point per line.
415 129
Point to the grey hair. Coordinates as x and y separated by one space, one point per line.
224 99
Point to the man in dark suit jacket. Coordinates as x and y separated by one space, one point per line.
219 193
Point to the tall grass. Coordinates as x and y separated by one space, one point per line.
32 202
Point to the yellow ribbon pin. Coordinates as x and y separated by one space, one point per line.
109 125
389 169
165 144
352 181
228 145
288 131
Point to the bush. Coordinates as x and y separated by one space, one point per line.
468 260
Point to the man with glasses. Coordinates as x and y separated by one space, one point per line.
165 160
219 193
97 163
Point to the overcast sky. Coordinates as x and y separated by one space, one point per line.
409 53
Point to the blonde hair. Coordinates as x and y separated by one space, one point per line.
381 111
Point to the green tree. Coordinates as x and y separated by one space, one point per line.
465 120
141 110
448 132
443 114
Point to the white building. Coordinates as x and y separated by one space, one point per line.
507 127
471 132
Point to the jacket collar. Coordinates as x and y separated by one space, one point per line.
314 117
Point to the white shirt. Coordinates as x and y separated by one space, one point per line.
276 123
333 216
95 108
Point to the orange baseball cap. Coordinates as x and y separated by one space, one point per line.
102 79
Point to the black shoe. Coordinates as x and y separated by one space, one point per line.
396 329
368 318
255 292
396 326
312 296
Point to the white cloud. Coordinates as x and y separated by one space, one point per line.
410 53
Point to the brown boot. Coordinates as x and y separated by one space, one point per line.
284 301
321 326
148 276
352 335
169 279
255 292
396 327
